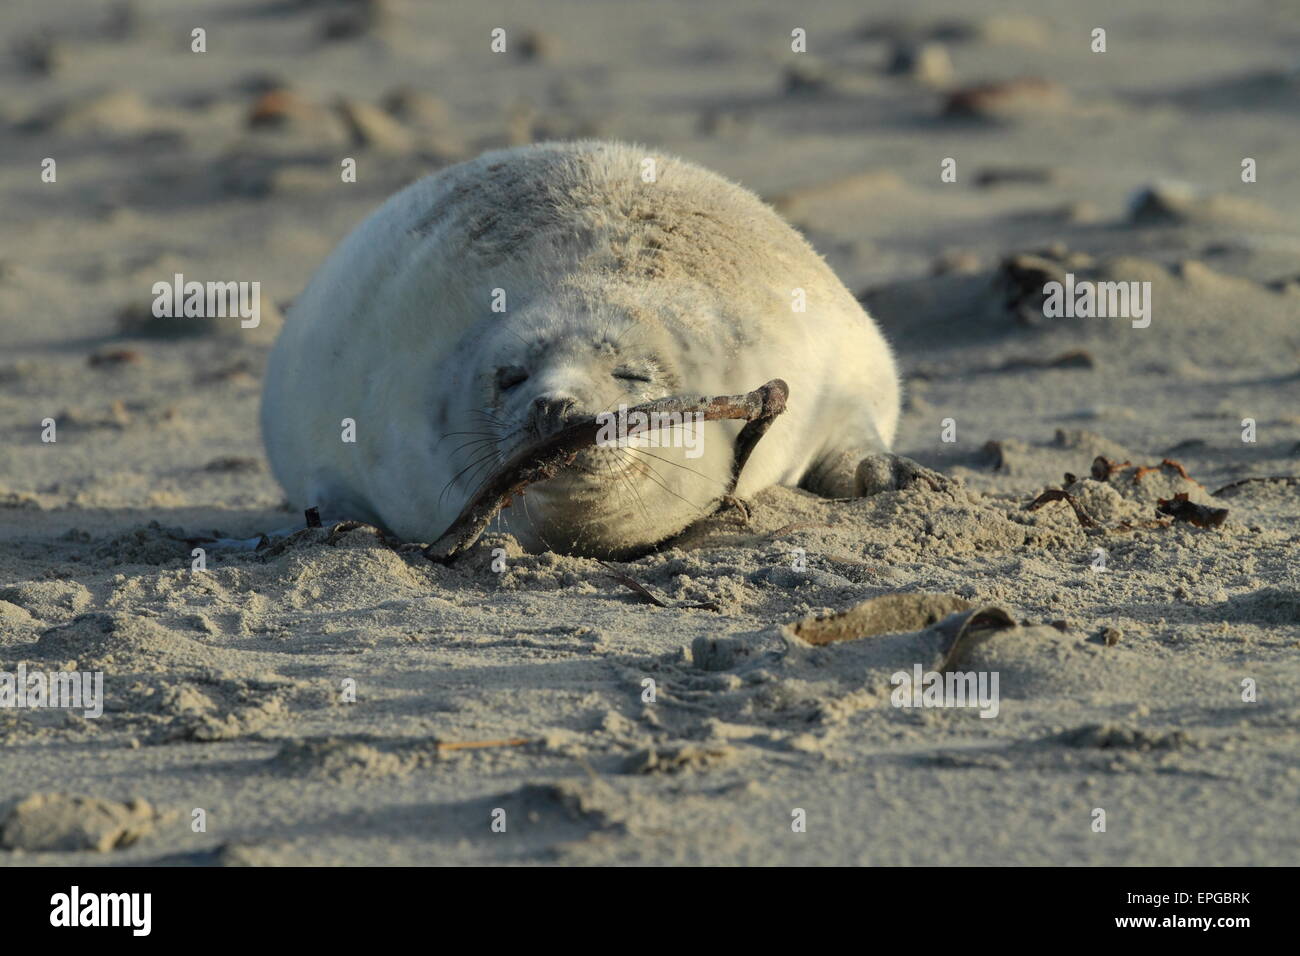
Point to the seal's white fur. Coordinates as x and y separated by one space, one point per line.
687 281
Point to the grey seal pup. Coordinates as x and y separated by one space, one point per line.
482 307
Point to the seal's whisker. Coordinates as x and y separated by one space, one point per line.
654 476
477 434
477 444
630 465
678 464
484 459
522 341
533 524
478 437
618 490
482 436
631 486
492 448
482 470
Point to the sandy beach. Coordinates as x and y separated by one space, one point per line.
333 699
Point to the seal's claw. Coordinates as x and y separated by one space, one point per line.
730 502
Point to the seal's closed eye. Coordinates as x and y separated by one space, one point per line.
633 373
509 376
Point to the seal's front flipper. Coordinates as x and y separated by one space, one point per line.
886 472
861 474
835 475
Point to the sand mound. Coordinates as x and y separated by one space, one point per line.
351 760
104 640
45 822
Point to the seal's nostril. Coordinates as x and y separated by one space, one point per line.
550 411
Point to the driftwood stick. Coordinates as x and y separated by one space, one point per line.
546 459
481 744
646 595
773 397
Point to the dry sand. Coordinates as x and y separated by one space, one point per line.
1121 689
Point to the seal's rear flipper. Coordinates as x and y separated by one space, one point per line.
311 517
255 543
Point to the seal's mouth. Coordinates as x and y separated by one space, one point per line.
590 466
553 457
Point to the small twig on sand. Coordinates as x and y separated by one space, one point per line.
1055 494
647 595
1285 479
546 459
482 744
797 526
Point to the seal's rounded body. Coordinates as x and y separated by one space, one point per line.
480 308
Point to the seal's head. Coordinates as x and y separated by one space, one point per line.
544 368
540 375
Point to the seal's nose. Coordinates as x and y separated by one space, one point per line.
549 413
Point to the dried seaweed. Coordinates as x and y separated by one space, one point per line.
1180 509
1056 494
